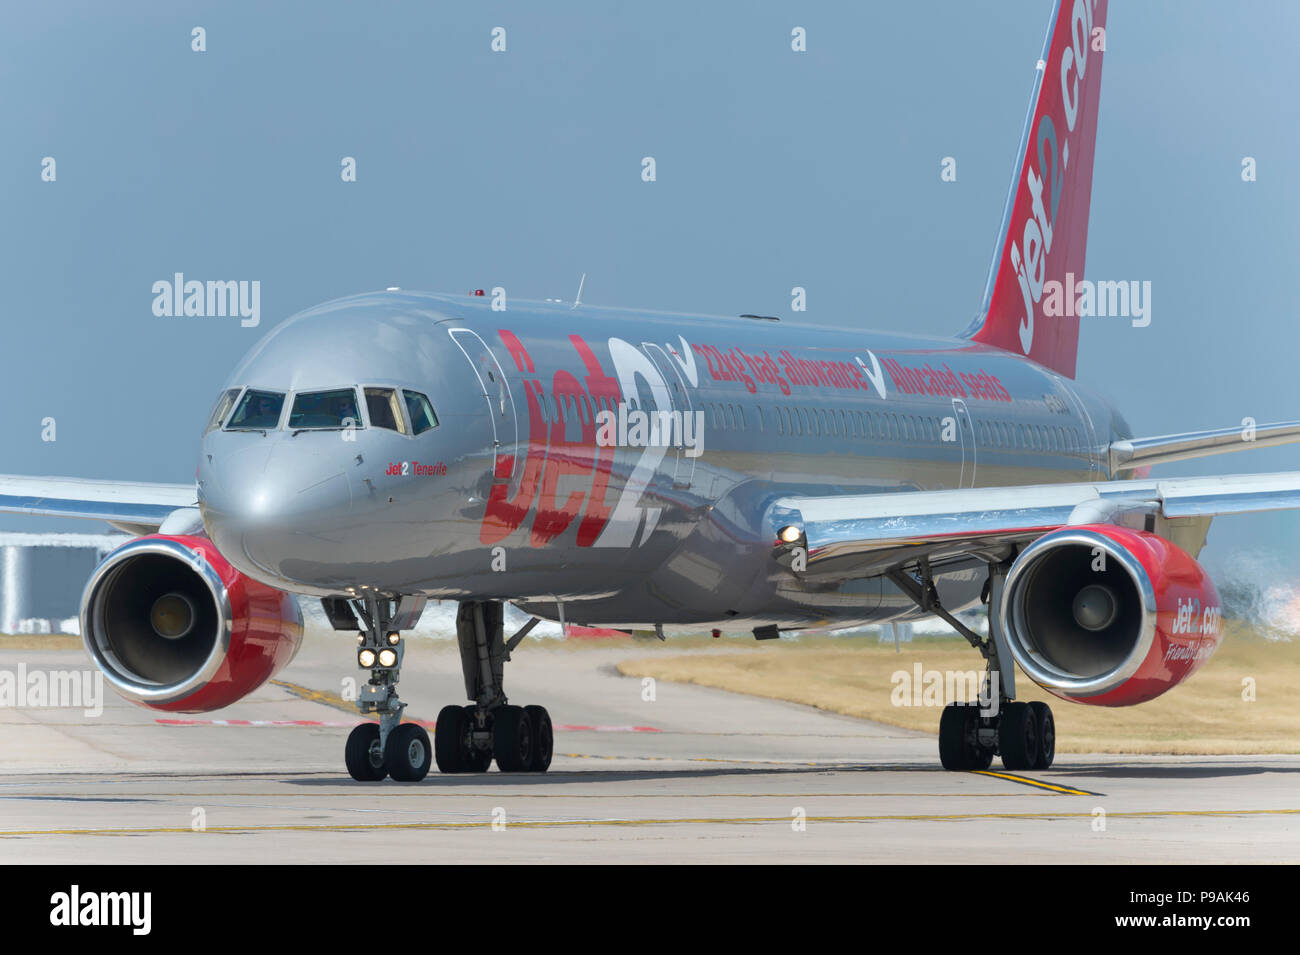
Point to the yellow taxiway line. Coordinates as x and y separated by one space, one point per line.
587 823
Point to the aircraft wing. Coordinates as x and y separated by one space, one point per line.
1135 453
858 534
131 503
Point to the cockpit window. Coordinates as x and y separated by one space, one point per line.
384 410
257 411
325 409
225 402
421 412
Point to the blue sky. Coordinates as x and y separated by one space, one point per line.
522 169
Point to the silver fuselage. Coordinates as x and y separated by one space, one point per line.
520 495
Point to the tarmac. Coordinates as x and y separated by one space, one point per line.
672 773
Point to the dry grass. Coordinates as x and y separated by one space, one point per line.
1206 715
39 641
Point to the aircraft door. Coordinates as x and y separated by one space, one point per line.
676 460
965 434
500 403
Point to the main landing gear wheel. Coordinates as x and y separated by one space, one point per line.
959 747
1046 734
477 760
363 756
408 753
543 737
453 742
1018 729
512 740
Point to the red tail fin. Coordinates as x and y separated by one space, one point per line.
1044 230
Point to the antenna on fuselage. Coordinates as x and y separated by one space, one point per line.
581 282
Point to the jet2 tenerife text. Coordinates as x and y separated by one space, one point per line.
636 470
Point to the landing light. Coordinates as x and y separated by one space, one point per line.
366 659
790 533
394 639
387 657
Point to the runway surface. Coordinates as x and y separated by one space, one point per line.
695 775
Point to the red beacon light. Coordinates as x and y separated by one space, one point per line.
478 291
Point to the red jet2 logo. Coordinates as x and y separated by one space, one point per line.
552 457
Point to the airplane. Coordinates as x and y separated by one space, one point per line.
675 473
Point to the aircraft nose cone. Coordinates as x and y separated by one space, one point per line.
277 512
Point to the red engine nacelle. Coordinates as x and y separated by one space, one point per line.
174 627
1107 615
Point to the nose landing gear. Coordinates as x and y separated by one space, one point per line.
389 747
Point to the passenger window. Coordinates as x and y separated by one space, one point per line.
384 410
221 409
421 412
314 410
257 411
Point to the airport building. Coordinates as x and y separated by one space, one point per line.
42 576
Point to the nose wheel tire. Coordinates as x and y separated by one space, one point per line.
408 753
1046 734
364 758
543 737
1018 730
512 740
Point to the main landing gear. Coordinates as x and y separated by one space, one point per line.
1024 734
971 734
468 738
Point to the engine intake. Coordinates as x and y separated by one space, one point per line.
174 627
1108 615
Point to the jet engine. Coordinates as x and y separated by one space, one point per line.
174 627
1107 615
